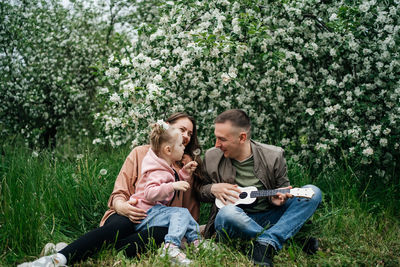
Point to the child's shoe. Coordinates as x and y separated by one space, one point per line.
175 254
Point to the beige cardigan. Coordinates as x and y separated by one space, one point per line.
131 173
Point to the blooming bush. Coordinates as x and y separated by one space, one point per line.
47 81
320 78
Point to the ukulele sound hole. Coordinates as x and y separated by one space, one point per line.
243 195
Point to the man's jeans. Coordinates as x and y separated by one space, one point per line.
179 221
285 221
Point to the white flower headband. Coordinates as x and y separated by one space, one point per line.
163 124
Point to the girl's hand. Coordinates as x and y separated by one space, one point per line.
190 167
181 186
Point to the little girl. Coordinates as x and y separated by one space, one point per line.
158 187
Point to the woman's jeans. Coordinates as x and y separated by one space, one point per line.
283 222
179 221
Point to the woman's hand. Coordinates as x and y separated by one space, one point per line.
225 192
181 186
190 167
127 209
280 198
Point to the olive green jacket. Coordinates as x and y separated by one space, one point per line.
269 166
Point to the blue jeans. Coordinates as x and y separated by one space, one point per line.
283 222
179 221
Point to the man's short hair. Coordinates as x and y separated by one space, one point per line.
237 117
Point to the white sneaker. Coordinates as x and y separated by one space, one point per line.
175 255
48 249
60 246
25 264
46 261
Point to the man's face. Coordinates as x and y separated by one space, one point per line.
228 139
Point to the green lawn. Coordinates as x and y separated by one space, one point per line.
57 196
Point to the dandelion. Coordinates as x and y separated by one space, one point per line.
197 152
103 172
79 156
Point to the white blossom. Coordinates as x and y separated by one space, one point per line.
310 111
368 152
383 142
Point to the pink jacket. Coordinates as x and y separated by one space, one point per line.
155 187
131 173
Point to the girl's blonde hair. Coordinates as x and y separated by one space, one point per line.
159 135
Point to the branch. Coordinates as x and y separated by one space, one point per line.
191 23
320 23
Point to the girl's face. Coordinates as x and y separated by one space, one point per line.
177 148
185 126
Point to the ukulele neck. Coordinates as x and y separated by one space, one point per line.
268 193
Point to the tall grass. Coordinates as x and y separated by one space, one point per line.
59 195
52 195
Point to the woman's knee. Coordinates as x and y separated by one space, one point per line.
119 223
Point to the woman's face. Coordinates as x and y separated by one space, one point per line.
185 126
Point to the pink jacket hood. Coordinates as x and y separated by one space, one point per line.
155 186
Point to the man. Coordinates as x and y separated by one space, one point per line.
236 160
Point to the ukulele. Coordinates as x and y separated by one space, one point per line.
251 193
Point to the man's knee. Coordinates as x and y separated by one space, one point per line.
317 197
226 215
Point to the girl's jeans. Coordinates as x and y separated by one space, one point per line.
285 221
179 221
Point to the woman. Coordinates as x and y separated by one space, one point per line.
116 224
